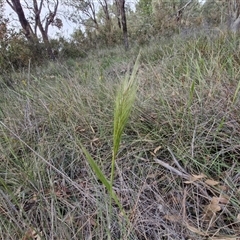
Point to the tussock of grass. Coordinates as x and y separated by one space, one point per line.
186 111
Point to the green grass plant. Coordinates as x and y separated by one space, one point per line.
123 106
125 98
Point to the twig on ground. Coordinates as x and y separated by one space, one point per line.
172 169
175 160
183 175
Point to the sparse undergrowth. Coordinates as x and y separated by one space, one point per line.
177 172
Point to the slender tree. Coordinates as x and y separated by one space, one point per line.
94 15
27 29
121 9
30 28
223 12
83 12
105 7
234 15
3 22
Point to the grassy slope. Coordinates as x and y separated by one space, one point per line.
186 112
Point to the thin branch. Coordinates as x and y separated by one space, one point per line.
172 169
180 11
186 176
11 5
175 160
182 8
37 13
193 141
40 6
51 16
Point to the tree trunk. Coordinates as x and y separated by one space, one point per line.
44 30
47 43
118 14
27 30
235 25
234 15
124 23
45 38
104 5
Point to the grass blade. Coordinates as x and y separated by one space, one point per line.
100 175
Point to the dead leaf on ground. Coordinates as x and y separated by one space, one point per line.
215 203
211 182
196 230
194 178
223 188
211 209
153 154
157 149
80 129
200 176
224 199
31 234
95 140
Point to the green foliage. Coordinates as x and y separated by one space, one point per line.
73 48
17 52
144 7
214 12
164 20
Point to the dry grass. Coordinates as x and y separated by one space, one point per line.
177 171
